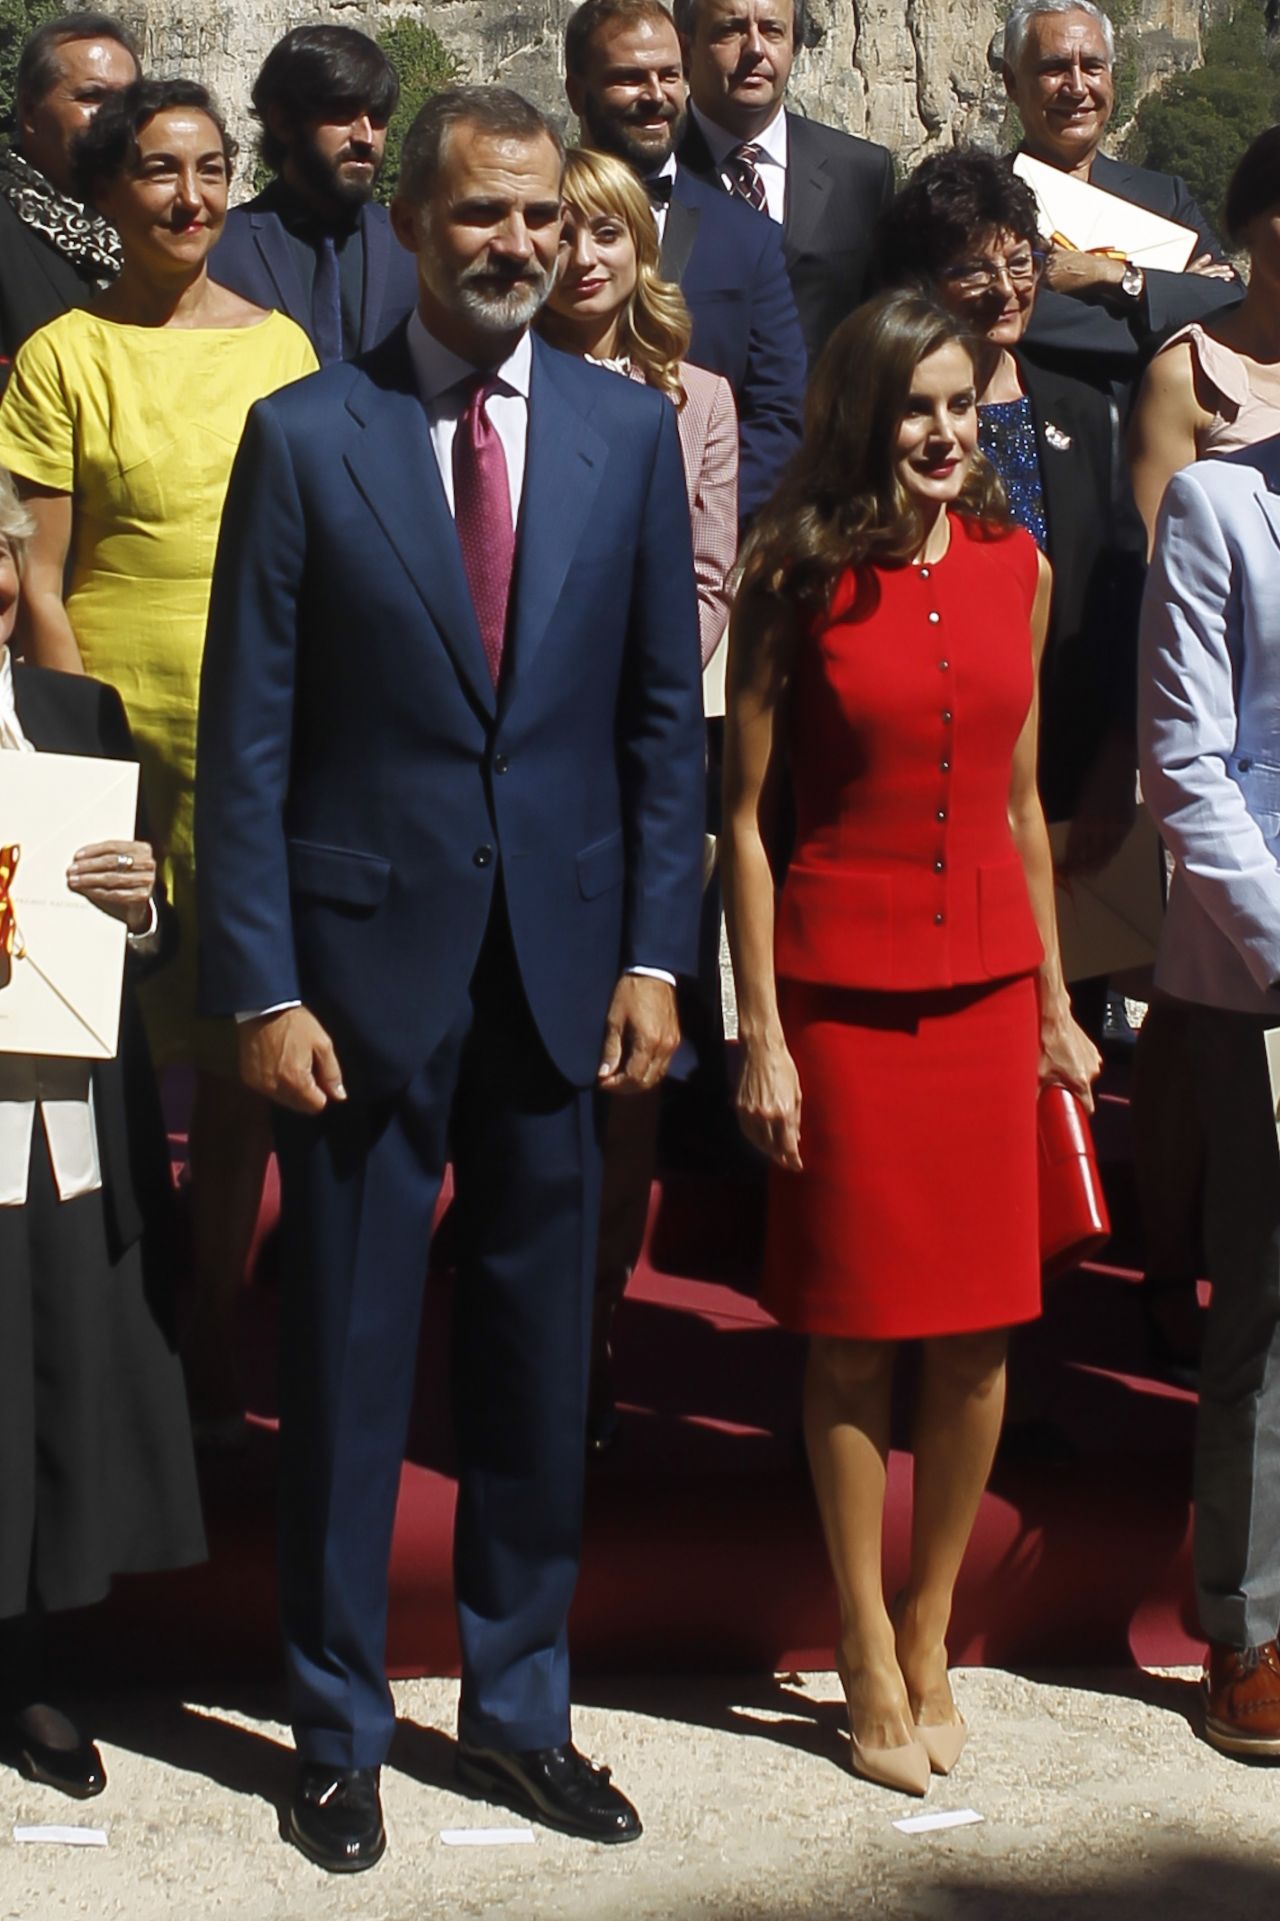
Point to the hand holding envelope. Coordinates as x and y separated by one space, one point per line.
1085 219
64 955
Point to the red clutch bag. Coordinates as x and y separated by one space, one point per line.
1074 1222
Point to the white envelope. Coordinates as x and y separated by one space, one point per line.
62 995
1109 922
1089 220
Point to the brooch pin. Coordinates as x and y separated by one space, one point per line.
1056 438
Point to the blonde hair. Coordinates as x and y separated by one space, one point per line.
17 525
654 328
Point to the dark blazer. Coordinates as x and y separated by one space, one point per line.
67 714
729 266
363 789
837 188
253 258
1110 348
37 283
1097 549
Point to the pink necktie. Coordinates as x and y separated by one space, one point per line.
482 512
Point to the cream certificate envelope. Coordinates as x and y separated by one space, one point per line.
1110 921
61 958
1088 220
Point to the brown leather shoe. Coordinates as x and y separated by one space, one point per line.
1242 1699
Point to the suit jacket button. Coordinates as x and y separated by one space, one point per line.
500 763
483 856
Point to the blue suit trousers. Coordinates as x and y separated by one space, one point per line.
359 1184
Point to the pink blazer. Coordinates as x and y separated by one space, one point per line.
709 444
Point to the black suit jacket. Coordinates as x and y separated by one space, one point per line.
37 283
1097 549
837 188
254 259
1109 348
68 714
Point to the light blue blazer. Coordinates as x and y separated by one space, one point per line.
1209 726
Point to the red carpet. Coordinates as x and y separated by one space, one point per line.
702 1546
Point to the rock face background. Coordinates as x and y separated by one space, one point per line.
912 74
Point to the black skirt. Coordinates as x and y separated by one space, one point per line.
97 1473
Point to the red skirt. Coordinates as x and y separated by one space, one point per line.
917 1210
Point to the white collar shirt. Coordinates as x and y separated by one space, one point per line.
439 374
772 162
660 209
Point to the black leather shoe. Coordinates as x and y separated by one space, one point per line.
555 1785
336 1818
76 1771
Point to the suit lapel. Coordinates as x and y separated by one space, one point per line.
273 248
564 465
808 193
678 236
44 719
377 240
394 468
1269 502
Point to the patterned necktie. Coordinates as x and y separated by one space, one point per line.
744 175
482 512
326 304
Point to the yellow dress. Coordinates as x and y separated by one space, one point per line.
140 426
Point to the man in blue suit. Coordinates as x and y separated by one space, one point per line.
313 243
450 823
624 75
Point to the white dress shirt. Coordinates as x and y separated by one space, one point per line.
441 378
771 164
659 210
62 1090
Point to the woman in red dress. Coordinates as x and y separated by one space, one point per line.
884 649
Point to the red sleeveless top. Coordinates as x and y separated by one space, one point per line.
908 697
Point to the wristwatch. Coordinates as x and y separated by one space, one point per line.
1133 282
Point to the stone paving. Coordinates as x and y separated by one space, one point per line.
1097 1801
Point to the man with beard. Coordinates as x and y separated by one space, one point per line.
55 253
449 821
624 75
313 243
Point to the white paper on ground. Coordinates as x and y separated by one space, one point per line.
64 1837
486 1837
926 1823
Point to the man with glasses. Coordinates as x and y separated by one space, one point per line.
1099 317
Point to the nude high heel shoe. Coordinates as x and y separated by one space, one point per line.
904 1768
943 1742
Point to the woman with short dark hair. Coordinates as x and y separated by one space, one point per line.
899 1011
121 422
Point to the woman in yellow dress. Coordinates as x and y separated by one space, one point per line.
121 422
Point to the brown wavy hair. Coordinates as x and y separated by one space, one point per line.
654 328
840 503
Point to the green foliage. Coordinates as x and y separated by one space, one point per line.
1200 123
424 65
18 18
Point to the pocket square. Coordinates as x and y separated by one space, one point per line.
1056 437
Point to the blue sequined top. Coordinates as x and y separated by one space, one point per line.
1007 436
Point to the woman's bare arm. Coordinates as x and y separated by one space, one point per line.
43 632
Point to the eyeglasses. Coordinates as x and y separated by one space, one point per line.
979 276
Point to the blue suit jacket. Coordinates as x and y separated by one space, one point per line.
729 263
362 788
253 258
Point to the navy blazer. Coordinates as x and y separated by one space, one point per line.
729 264
363 790
253 258
838 185
1109 348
